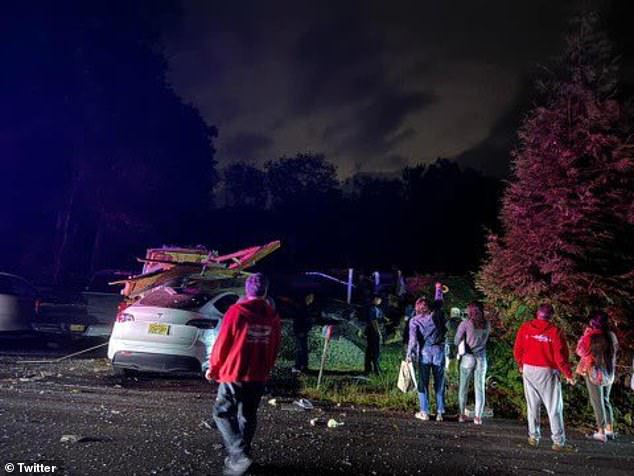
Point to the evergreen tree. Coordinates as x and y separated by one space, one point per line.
568 213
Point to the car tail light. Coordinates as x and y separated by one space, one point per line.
125 317
202 323
123 306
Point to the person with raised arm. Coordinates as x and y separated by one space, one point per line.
426 347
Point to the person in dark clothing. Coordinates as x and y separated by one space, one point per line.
241 361
302 324
374 336
408 313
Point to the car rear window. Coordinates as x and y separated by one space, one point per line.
16 287
225 302
176 298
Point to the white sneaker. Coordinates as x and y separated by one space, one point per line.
238 467
598 437
422 416
439 417
477 421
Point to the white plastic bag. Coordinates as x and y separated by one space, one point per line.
406 377
462 348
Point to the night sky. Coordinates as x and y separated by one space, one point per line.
373 85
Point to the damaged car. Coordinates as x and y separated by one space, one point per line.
174 308
169 330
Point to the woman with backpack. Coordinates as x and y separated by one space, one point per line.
471 338
597 349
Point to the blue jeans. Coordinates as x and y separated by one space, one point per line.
235 414
476 365
433 363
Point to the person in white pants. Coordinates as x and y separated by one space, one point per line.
542 385
541 354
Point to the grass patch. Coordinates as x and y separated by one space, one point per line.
378 391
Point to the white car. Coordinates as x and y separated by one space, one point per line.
169 330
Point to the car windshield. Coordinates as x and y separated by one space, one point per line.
176 298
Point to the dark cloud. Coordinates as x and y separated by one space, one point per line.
361 81
246 146
337 60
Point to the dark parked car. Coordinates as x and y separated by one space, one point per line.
18 304
90 313
102 300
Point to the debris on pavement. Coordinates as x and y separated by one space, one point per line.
204 424
78 439
332 423
304 403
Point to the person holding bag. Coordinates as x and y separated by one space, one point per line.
473 333
597 349
426 347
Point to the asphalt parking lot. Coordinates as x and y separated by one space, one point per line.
76 413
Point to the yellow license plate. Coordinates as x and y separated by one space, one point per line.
159 329
77 328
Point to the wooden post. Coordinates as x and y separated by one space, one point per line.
327 335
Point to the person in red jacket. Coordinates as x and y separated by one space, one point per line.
541 353
241 361
597 350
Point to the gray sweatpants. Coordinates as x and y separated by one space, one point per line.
542 385
476 365
600 400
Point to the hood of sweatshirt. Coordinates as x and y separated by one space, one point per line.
541 326
256 308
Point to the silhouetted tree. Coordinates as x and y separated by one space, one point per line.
299 179
96 140
244 186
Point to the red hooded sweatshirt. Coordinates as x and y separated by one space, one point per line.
247 344
542 344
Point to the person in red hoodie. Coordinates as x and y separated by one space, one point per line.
597 350
541 352
241 361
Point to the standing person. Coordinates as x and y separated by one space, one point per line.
374 336
541 352
475 333
597 349
408 313
302 324
451 351
241 361
426 346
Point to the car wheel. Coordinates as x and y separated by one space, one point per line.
119 371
